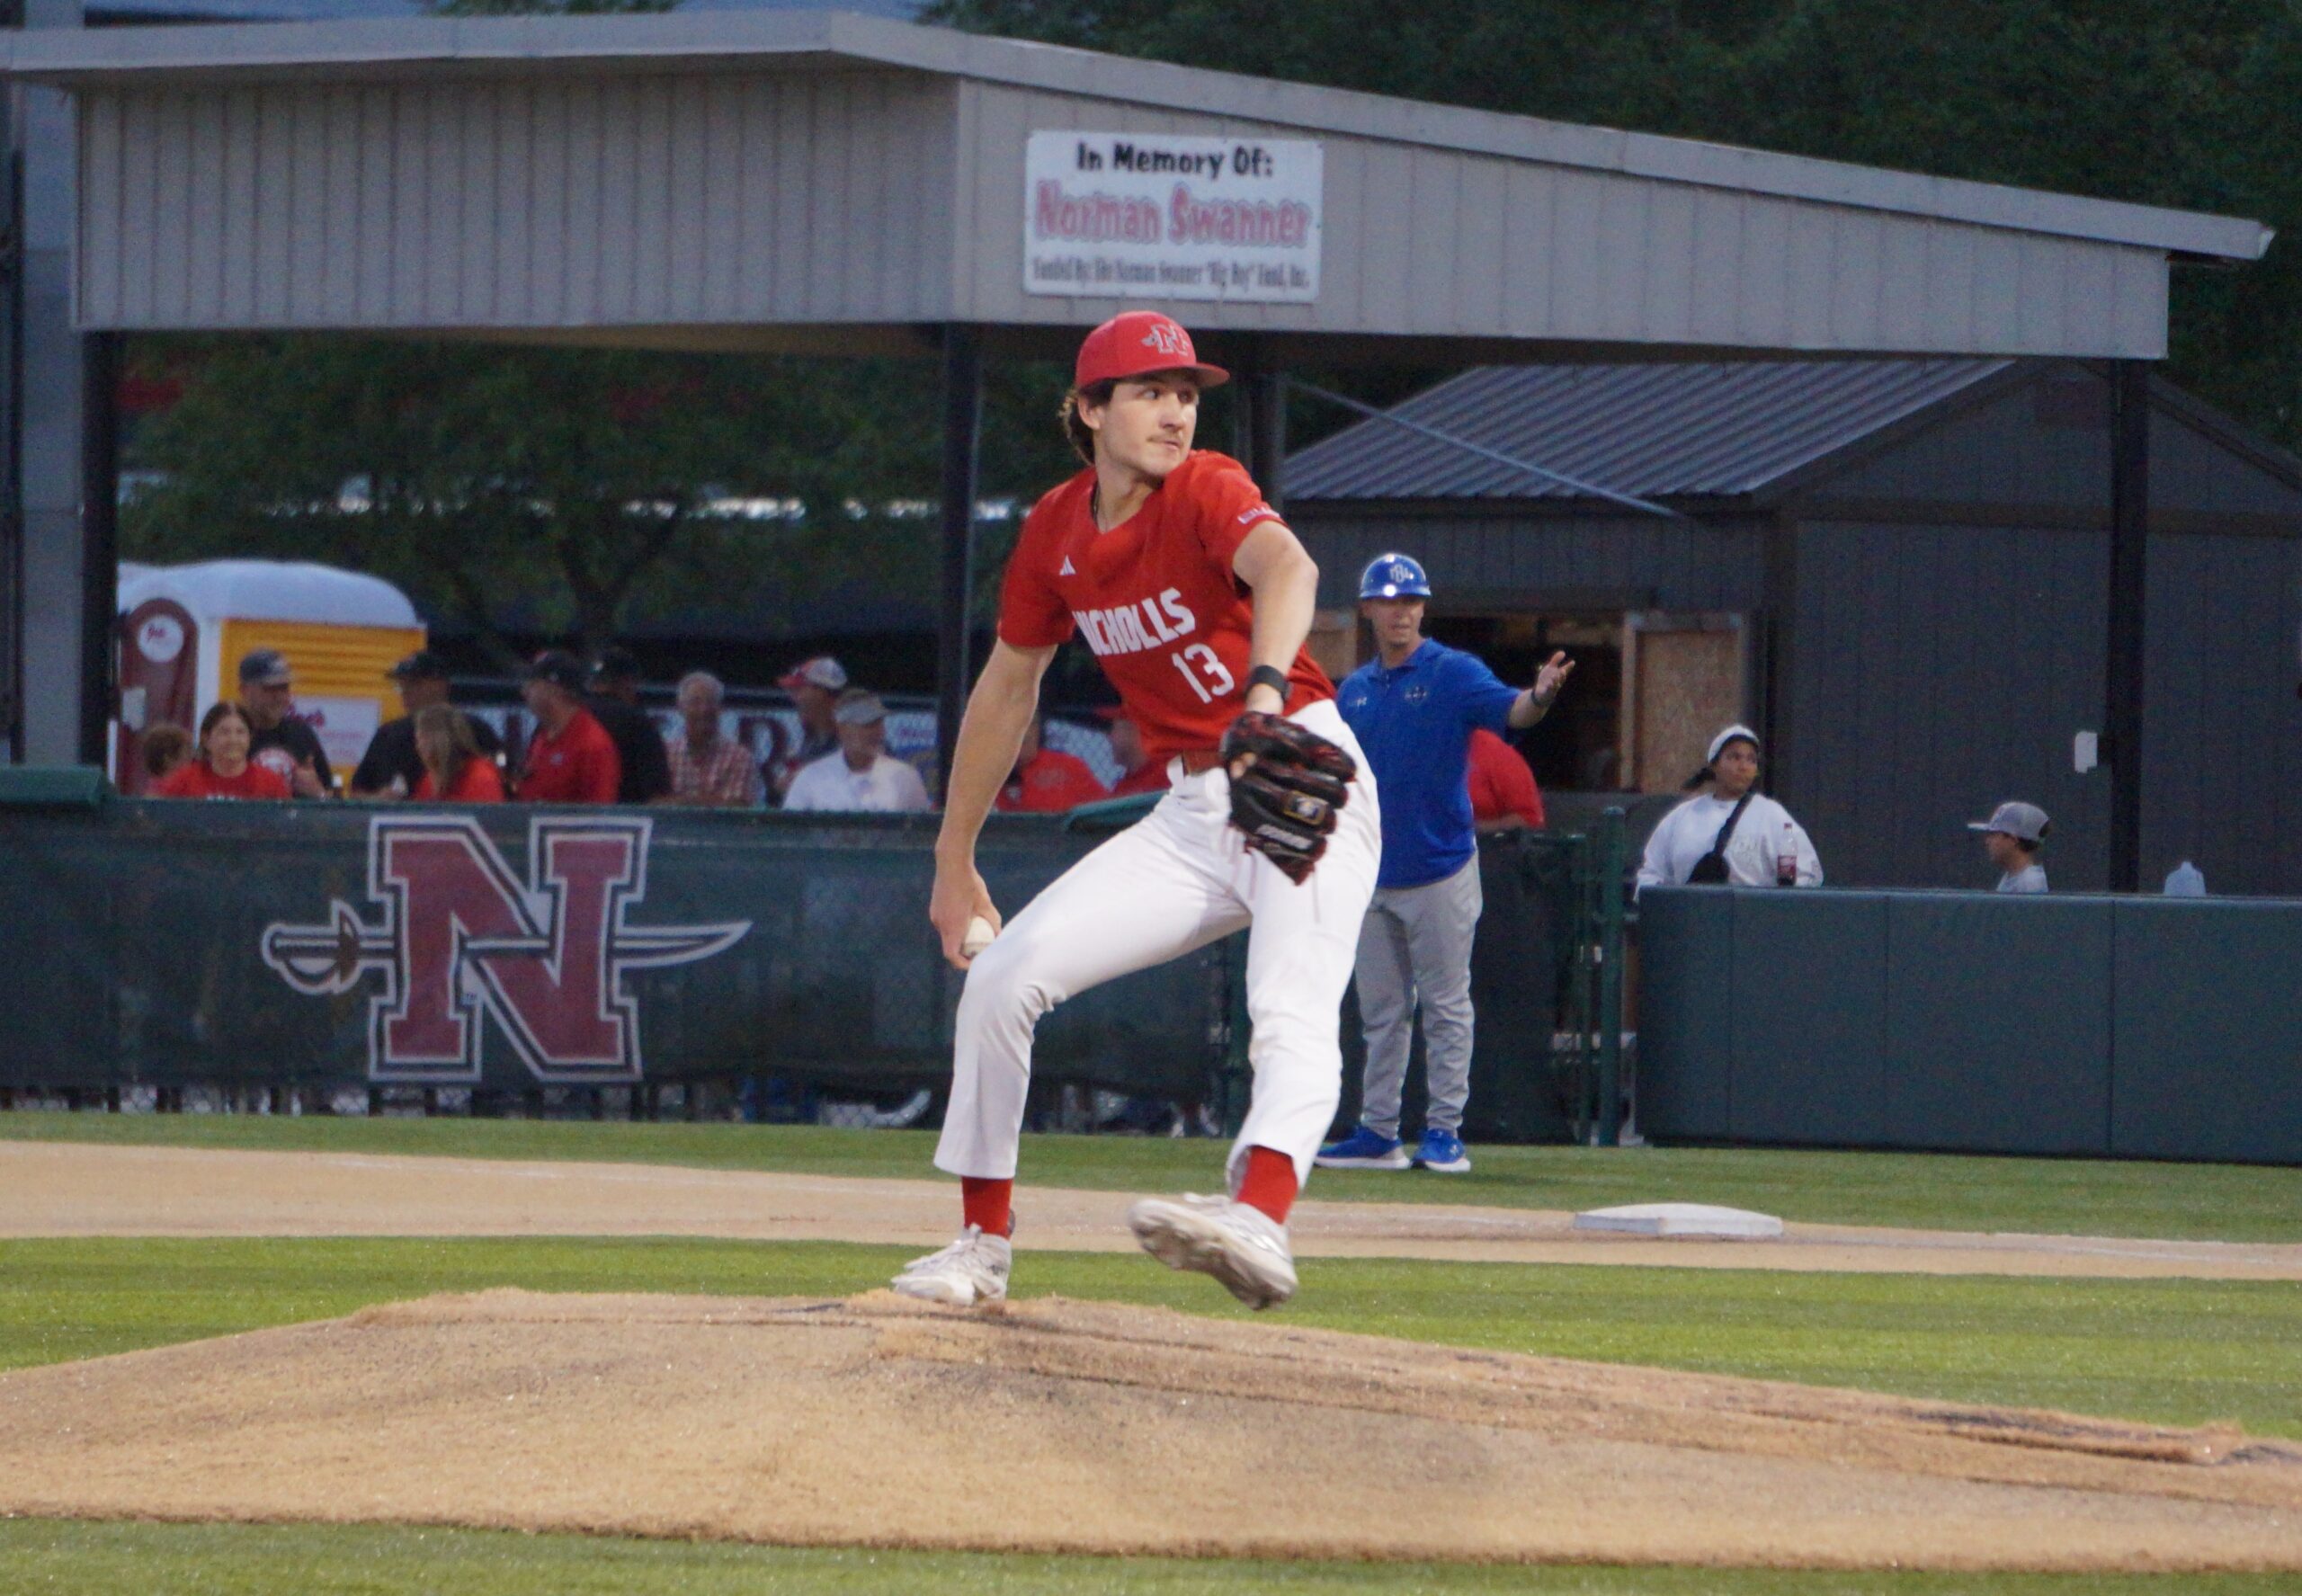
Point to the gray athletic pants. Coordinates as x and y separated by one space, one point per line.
1415 942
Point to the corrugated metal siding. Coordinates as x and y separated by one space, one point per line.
655 198
1716 428
1438 242
1687 566
2047 442
531 202
1938 671
2222 751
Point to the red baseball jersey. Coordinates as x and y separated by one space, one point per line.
1154 597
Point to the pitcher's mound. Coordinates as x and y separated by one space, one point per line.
1079 1427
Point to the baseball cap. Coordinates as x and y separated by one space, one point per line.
265 667
1718 743
422 665
617 663
1138 343
2025 821
859 706
822 671
558 667
1393 576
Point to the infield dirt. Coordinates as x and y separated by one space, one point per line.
1071 1427
61 1189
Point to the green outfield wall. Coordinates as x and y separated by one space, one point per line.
507 948
2127 1027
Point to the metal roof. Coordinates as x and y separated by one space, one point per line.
1713 429
720 41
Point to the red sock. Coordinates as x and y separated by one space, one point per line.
987 1203
1269 1183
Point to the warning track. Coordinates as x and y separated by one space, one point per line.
58 1188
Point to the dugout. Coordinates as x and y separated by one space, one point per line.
1897 571
819 182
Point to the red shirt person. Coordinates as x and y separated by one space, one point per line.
223 770
1503 794
571 759
1047 781
1139 772
455 770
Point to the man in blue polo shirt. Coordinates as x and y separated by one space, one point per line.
1412 708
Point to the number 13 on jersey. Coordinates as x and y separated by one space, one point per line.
1208 676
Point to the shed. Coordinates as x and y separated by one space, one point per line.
1899 571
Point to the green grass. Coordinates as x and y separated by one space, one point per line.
53 1558
2068 1197
2176 1351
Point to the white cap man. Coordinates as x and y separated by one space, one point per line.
2012 836
859 773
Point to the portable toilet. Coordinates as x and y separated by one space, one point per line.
183 630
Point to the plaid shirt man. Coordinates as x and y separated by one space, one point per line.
723 773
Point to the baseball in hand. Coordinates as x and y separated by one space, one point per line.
979 937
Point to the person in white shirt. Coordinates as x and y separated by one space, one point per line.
1764 847
2011 837
862 775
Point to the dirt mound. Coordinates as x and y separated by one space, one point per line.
1076 1427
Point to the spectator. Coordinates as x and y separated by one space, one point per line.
709 768
614 703
1047 781
815 686
1503 794
571 759
1137 771
456 769
391 767
167 745
1412 708
2011 837
224 769
861 775
1734 834
283 744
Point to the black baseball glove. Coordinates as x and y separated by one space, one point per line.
1286 786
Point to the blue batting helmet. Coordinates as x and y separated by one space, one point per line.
1393 576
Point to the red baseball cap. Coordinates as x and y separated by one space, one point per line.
1138 343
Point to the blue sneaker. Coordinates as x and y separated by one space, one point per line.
1443 1150
1363 1149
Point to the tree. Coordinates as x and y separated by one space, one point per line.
2187 106
567 489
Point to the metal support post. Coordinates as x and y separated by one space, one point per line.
1266 400
2128 602
962 424
1609 1015
99 540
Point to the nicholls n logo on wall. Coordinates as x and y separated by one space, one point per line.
463 941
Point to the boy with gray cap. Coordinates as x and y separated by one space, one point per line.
2011 837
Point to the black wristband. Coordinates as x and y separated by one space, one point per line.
1272 677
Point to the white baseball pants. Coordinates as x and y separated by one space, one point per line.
1176 880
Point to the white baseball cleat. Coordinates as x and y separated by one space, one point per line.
1243 1247
972 1270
